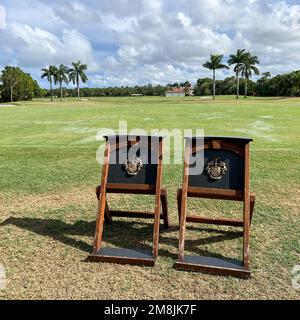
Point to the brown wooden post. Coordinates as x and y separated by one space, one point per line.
184 200
246 209
102 201
107 215
157 201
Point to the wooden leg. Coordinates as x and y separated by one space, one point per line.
246 210
182 227
179 203
183 205
107 215
101 202
164 202
156 227
246 235
157 209
100 222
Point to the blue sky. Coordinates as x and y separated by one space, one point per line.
129 42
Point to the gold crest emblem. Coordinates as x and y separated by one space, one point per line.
216 169
133 166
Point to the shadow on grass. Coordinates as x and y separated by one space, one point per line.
128 234
55 229
193 245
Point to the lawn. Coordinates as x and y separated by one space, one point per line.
48 172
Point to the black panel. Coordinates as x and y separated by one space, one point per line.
118 174
234 177
129 137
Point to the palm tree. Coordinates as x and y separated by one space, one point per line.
49 74
266 75
249 66
214 64
237 60
61 77
76 73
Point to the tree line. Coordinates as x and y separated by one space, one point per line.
15 84
282 85
123 91
285 85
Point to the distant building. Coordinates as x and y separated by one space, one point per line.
191 92
175 92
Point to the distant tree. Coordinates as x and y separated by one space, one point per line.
248 67
50 73
174 85
77 73
214 64
10 77
185 84
237 60
296 83
38 91
203 87
229 86
61 76
263 87
17 85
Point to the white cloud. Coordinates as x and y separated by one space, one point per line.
154 41
35 47
140 41
185 20
155 74
75 12
34 13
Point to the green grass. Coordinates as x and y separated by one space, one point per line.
48 172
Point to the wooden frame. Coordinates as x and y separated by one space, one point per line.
129 256
241 147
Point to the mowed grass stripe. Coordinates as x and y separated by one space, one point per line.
48 172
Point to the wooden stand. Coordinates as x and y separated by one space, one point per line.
233 154
147 181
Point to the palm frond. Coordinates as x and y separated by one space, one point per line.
222 66
238 57
207 65
215 62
